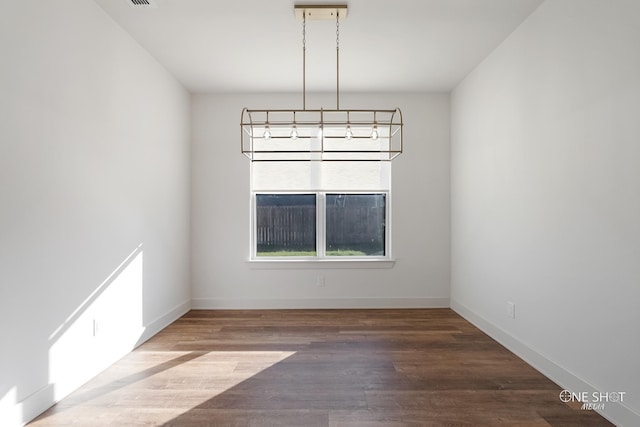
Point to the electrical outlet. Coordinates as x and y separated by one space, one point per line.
96 327
511 309
320 281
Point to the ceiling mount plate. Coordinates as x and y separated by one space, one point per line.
320 12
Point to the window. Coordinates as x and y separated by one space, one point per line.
320 210
355 224
285 224
320 225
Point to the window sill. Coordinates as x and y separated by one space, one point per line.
284 264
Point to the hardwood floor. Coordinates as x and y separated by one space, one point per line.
319 368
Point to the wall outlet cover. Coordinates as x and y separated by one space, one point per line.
511 309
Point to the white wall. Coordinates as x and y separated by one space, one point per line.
94 199
546 196
221 276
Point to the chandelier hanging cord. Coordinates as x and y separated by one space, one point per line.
338 60
304 61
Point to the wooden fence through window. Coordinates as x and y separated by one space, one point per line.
294 227
286 227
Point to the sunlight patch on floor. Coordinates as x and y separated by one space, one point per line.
148 381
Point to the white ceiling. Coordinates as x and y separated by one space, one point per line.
256 45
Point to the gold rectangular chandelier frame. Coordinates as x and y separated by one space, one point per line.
321 135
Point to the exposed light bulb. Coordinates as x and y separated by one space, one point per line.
267 133
348 134
374 133
294 133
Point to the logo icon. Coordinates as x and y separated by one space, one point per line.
565 396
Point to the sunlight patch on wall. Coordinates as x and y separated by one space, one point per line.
10 411
102 329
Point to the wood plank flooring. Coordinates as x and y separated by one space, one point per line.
319 368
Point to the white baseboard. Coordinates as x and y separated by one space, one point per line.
20 413
163 321
617 413
317 303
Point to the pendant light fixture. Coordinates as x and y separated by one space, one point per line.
324 134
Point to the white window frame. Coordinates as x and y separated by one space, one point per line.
321 255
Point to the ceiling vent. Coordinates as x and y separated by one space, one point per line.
142 3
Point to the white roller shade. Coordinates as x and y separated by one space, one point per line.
321 176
